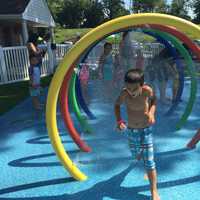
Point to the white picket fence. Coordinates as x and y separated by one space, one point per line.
14 62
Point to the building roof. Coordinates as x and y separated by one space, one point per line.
35 11
13 7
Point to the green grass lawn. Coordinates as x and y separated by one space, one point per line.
14 93
62 34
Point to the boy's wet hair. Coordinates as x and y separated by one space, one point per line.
134 76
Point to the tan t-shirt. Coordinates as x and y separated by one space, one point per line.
136 106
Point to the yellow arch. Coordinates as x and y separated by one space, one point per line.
73 54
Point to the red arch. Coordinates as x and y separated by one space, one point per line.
181 36
66 115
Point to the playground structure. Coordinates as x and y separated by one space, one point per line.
168 27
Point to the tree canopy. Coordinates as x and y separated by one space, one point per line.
140 6
179 8
196 9
86 13
91 13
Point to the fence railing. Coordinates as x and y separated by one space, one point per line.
14 62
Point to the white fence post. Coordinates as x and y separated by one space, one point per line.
51 58
3 66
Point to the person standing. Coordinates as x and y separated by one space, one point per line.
140 102
35 58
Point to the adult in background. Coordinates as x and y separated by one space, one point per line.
35 58
162 71
126 51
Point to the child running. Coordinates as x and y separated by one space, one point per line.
140 104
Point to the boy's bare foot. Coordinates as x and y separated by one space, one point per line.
155 196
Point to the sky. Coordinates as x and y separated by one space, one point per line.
127 2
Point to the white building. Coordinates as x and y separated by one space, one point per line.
18 18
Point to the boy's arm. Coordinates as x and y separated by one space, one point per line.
152 99
120 122
152 104
117 112
152 107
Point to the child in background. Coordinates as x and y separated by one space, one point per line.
106 67
126 51
158 73
118 73
84 74
34 85
173 75
35 57
84 78
140 104
106 63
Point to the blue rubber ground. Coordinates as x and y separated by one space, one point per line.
31 171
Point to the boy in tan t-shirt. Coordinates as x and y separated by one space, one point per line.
140 104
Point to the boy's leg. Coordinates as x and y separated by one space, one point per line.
153 184
148 158
134 144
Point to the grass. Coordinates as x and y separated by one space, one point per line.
14 93
62 35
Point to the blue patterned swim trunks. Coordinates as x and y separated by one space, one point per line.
141 146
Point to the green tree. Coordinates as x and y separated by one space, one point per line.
161 6
179 9
114 8
196 9
56 7
141 6
86 13
72 14
93 14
